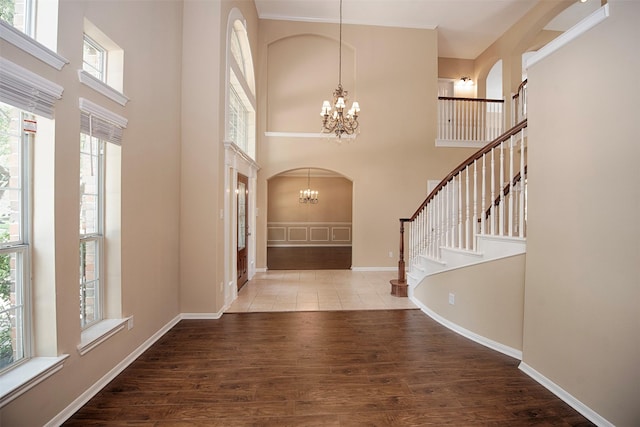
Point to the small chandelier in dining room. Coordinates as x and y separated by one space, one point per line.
308 196
335 120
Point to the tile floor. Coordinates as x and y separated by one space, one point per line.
318 290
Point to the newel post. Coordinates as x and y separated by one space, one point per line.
399 285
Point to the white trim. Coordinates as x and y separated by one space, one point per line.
102 113
454 143
95 335
487 342
374 268
102 382
572 33
307 245
200 316
309 223
306 135
232 146
31 46
566 397
26 376
102 88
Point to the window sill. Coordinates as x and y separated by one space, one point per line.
27 375
31 46
101 87
95 335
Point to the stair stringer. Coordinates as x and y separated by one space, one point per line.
488 248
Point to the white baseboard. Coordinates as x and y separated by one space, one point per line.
374 268
196 316
587 412
102 382
494 345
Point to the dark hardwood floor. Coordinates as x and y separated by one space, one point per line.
347 368
309 258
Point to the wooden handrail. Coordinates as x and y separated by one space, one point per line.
476 156
453 98
520 87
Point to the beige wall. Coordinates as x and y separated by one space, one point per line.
488 298
150 195
582 299
202 156
455 68
334 200
393 74
525 35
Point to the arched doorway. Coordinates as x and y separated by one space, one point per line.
305 233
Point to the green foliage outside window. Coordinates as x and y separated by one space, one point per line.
6 321
6 342
7 10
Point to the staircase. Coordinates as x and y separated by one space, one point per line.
476 214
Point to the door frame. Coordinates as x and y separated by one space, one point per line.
243 253
237 162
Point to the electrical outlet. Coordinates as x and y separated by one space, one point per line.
390 254
452 298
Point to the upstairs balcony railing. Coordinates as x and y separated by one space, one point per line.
462 121
484 195
477 121
519 104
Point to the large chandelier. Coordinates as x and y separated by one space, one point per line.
336 120
308 196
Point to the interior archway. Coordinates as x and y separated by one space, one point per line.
309 234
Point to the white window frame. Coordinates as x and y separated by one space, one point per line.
111 82
42 42
21 248
97 238
104 54
240 94
27 26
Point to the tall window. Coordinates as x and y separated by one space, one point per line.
241 116
94 59
20 14
91 228
14 243
238 120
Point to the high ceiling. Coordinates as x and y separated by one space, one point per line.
465 27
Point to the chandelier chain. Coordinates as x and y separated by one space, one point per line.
340 50
335 116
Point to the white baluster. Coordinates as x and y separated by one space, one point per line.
455 120
483 216
452 222
466 207
447 215
474 222
467 120
501 190
493 193
436 228
523 186
459 212
511 194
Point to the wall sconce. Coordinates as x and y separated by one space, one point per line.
465 81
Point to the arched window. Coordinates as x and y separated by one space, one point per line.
241 102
